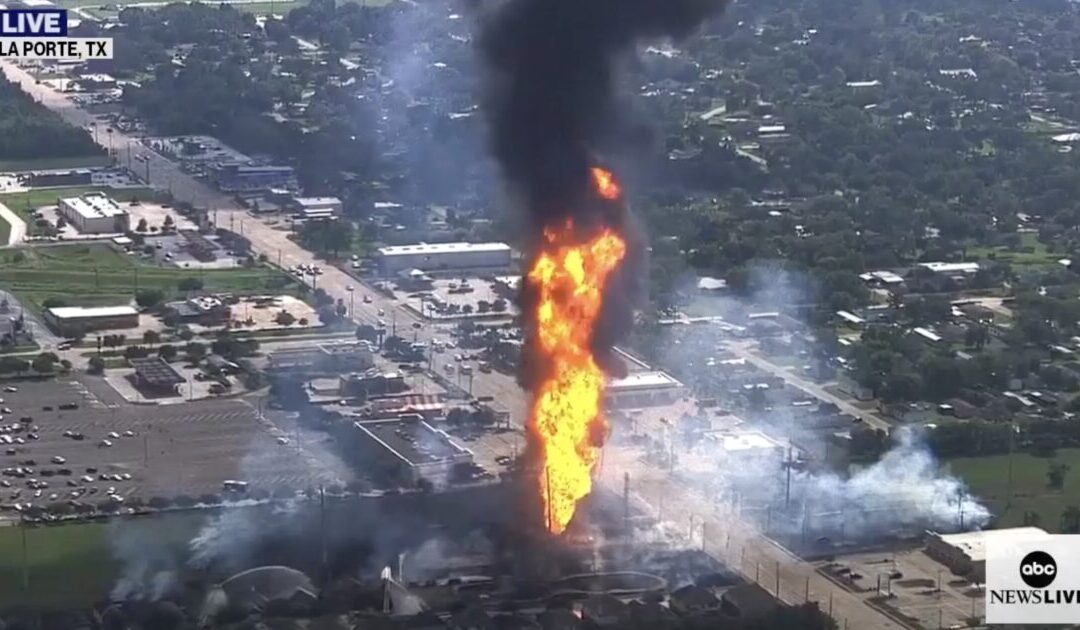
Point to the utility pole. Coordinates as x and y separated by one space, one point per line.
787 484
322 531
25 555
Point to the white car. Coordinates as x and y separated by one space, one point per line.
104 444
113 435
11 388
58 460
367 300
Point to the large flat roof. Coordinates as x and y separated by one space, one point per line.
642 381
75 312
973 544
745 441
95 206
316 201
156 371
442 248
416 442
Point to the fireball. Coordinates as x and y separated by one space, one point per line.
569 275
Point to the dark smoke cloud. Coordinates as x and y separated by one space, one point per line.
552 104
551 98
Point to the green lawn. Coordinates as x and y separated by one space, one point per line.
271 8
25 203
988 478
68 565
1038 254
12 166
97 274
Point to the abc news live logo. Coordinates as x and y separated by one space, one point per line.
43 34
1034 582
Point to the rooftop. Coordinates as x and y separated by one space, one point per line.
442 248
415 442
973 544
306 202
643 380
156 371
745 441
950 267
94 206
74 312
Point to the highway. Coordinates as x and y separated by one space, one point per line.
728 537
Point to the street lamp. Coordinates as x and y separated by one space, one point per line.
350 288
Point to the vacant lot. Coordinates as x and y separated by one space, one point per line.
988 478
97 274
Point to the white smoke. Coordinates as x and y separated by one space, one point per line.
149 566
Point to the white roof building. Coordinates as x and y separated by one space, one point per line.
435 256
863 84
644 389
94 206
76 312
884 277
947 267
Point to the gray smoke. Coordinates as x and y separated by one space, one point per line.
149 567
905 492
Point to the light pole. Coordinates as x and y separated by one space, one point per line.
351 289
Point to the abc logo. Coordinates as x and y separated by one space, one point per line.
1038 569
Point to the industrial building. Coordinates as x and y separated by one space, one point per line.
316 208
438 256
74 320
408 450
350 356
206 310
70 177
95 213
241 178
965 553
644 389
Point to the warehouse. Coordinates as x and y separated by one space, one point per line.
95 213
407 450
75 320
437 256
644 389
965 553
328 356
316 208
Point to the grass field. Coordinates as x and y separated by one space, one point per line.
36 198
67 565
13 166
96 274
988 478
73 566
1038 255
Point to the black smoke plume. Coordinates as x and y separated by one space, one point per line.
552 103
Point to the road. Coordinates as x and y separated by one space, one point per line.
742 350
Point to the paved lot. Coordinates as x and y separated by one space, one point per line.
915 590
184 449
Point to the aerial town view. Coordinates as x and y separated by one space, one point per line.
538 314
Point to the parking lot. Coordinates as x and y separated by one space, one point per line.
915 585
458 298
104 447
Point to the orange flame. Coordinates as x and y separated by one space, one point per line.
567 416
606 185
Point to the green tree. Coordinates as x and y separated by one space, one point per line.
149 298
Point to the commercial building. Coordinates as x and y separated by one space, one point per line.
644 389
240 178
436 256
316 208
965 553
349 356
93 82
154 374
71 177
95 213
408 450
206 310
747 450
949 268
73 320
